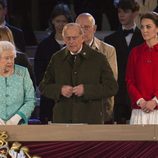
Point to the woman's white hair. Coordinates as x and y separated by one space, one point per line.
6 46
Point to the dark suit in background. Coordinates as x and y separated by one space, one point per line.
18 38
17 33
122 109
42 57
21 59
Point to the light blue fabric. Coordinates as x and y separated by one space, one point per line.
17 95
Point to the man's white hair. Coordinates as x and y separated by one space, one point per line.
72 25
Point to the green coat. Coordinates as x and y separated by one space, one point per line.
90 69
17 95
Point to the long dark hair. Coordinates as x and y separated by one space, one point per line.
60 9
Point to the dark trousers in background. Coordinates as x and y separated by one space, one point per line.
122 113
46 109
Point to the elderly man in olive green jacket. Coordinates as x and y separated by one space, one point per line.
78 78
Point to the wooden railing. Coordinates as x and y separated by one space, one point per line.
78 132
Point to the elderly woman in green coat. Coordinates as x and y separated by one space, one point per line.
16 88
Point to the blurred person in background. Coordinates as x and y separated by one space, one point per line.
124 39
60 16
87 23
145 6
17 33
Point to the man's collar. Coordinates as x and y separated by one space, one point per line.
76 52
82 52
133 27
96 44
91 42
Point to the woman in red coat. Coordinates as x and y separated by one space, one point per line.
142 74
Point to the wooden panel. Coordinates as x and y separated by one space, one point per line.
67 132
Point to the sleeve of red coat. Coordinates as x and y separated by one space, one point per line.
131 77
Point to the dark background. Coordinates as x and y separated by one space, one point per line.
35 13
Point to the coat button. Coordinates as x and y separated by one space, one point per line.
148 61
7 95
75 72
84 53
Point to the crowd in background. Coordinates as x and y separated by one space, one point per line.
129 20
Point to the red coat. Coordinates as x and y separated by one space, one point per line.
142 73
